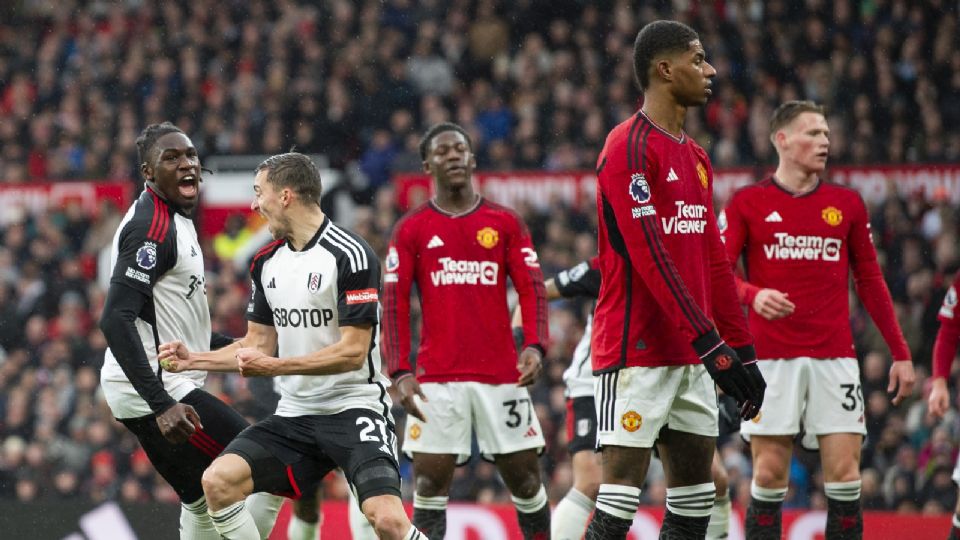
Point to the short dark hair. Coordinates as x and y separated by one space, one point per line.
148 137
295 171
655 39
437 129
788 111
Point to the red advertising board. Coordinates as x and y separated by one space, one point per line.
499 522
38 197
875 184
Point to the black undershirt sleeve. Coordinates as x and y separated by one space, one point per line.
219 341
120 311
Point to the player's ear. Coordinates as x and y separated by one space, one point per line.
664 69
145 171
426 167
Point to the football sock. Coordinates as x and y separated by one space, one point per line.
414 534
195 523
533 515
763 520
430 515
235 522
616 506
570 516
719 518
299 529
263 508
844 515
688 511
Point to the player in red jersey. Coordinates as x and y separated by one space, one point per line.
459 249
944 351
667 295
801 237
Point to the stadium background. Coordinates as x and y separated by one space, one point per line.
537 83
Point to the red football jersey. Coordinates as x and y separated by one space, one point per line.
460 264
945 347
665 277
806 246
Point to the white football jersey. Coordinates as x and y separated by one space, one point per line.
308 296
156 251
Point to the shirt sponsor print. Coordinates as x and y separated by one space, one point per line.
789 247
363 296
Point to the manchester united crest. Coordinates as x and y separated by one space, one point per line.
631 421
832 216
415 431
488 237
702 175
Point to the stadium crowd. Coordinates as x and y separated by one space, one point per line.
537 83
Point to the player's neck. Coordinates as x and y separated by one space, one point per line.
456 201
664 112
796 180
304 226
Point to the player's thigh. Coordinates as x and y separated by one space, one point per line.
840 456
625 465
634 403
581 424
221 422
449 422
587 472
505 419
282 456
694 409
719 474
362 443
433 473
835 398
687 457
181 465
771 459
784 399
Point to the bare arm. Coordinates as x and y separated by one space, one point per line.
348 354
552 294
175 356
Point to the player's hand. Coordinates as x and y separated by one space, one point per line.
902 380
743 383
408 387
179 422
939 400
530 364
772 304
174 357
253 363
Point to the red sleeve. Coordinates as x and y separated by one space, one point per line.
629 213
523 267
945 347
733 231
727 312
397 282
871 288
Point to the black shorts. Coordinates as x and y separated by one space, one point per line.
289 456
182 465
581 424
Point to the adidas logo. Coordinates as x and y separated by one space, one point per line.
193 251
272 284
774 217
672 176
530 432
434 242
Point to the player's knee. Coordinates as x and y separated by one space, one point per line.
220 484
589 487
387 520
720 480
429 485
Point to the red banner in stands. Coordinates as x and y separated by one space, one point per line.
499 522
39 197
932 182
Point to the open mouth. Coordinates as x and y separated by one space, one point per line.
189 186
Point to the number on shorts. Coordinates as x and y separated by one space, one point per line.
368 433
854 392
515 416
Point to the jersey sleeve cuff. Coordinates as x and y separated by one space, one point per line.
706 343
401 374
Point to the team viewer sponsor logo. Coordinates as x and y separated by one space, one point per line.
803 248
364 296
454 272
689 219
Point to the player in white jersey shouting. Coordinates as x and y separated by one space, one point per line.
315 300
157 294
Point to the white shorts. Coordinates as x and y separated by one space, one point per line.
634 403
502 414
820 396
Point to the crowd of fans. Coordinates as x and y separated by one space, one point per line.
537 83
